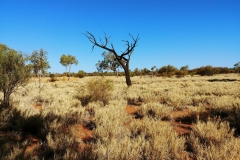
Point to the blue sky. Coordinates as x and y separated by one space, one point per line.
176 32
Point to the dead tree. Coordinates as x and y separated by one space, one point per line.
123 58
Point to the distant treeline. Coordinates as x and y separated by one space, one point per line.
165 71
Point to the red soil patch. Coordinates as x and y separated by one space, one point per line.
38 106
90 118
133 110
128 125
82 132
182 128
33 149
184 155
208 107
182 113
79 132
130 109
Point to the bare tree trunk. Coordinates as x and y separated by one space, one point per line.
6 99
127 76
69 73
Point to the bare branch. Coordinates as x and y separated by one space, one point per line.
123 61
101 41
130 46
106 39
93 40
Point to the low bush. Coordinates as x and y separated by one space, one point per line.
181 73
167 71
206 71
100 90
53 78
81 74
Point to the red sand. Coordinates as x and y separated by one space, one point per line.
34 148
182 113
180 127
38 106
131 109
82 132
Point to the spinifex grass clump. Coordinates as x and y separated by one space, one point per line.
100 90
214 140
96 90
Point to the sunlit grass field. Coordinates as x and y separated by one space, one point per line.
213 114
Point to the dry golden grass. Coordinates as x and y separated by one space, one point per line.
214 108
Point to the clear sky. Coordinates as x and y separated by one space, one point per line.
176 32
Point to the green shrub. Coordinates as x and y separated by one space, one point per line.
53 78
13 72
81 74
167 71
181 73
192 73
206 71
100 90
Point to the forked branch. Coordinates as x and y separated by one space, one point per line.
121 58
103 45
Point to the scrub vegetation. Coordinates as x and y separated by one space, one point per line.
101 118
